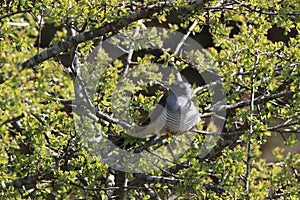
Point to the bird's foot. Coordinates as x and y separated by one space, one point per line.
170 134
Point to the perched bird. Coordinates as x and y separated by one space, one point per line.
174 113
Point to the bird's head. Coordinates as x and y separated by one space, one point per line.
181 88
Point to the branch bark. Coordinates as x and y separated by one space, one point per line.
111 27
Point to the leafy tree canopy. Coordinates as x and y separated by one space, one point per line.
56 73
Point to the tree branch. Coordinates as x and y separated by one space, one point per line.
85 36
156 179
14 13
258 100
230 138
121 184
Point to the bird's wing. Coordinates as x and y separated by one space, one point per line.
192 116
157 120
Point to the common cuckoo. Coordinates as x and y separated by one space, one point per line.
174 113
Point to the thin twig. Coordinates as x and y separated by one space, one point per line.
249 145
157 179
258 100
131 49
14 13
185 37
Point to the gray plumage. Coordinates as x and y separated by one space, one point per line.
175 112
